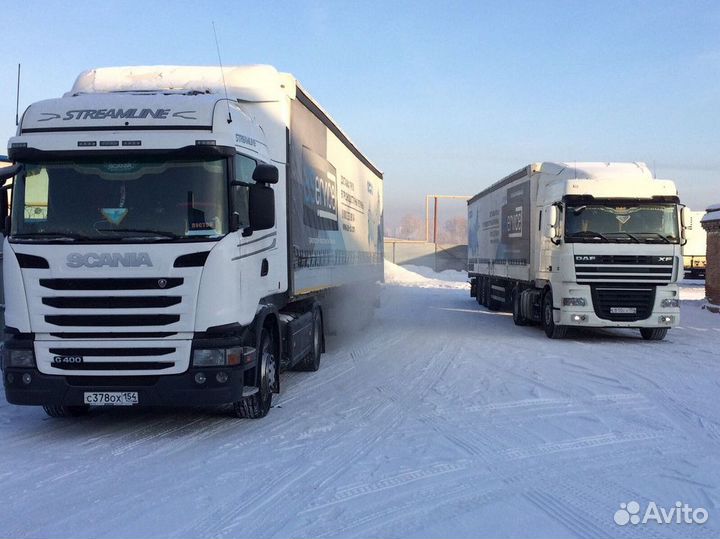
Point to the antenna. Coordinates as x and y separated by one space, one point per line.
222 72
17 99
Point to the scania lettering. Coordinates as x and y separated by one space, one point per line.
582 245
95 260
181 247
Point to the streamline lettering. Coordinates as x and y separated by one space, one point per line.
129 114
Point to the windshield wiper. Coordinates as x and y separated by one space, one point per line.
631 236
160 233
588 234
60 236
657 235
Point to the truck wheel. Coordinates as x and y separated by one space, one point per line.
653 334
518 318
552 330
66 411
312 361
480 291
258 404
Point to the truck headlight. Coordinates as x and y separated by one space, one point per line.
670 302
209 358
574 302
19 358
223 357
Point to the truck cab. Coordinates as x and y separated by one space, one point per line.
141 246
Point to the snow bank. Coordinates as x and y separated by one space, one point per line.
401 276
445 275
692 289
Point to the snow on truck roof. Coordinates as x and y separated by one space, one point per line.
249 83
585 170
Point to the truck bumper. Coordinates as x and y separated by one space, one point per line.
168 390
661 315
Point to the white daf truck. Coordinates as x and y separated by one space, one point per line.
582 244
178 235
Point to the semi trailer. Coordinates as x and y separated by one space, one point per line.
579 245
178 236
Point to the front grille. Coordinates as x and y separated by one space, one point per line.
630 268
112 284
79 335
98 302
111 381
114 366
111 352
623 303
112 320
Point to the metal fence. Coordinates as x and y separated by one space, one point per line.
437 256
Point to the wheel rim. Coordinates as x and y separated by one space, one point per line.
316 338
548 314
268 367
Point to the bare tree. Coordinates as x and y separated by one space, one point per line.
454 231
411 227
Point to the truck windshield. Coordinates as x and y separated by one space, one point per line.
121 199
636 223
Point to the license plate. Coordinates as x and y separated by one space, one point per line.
623 310
111 398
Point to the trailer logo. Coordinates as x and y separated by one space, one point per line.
319 192
98 260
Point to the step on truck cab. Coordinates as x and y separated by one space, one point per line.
579 245
178 235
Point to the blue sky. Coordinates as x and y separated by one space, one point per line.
446 97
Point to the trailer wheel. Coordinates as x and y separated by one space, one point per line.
552 330
518 318
311 362
258 404
653 334
480 291
66 411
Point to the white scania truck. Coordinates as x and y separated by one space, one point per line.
177 236
582 244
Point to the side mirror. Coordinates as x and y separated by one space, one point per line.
685 219
261 203
4 217
265 174
553 216
685 223
551 223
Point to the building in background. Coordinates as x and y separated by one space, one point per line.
711 224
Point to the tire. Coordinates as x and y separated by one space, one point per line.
311 362
653 334
258 404
518 318
480 291
552 330
66 411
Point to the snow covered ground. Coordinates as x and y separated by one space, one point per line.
441 420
